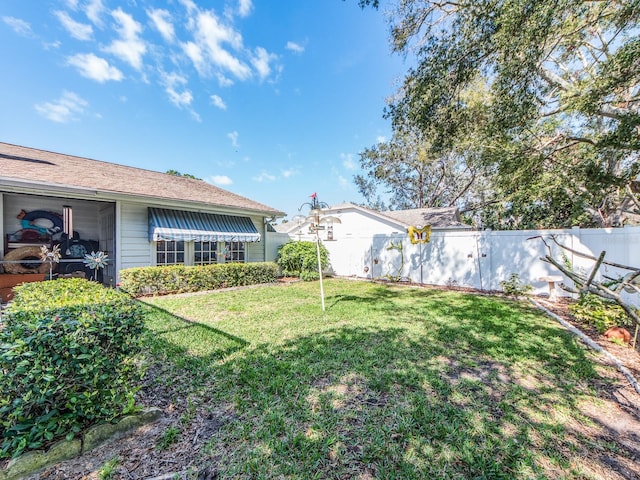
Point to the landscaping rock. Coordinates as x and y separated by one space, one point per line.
37 459
99 434
33 461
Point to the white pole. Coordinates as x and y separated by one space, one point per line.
320 269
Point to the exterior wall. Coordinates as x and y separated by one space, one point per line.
274 241
255 250
356 223
480 259
132 236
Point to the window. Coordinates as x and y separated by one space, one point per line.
169 252
206 253
234 252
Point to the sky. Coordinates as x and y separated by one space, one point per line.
269 99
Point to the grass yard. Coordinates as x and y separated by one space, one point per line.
390 382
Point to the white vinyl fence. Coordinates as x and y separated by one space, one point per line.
480 259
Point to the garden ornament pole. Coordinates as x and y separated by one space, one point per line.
314 219
320 269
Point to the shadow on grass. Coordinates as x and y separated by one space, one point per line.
466 387
186 343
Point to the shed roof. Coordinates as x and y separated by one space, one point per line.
41 167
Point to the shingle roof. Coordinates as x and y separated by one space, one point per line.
446 217
43 167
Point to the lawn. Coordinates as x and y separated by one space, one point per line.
390 382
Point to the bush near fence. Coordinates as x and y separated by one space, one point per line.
141 281
67 361
300 259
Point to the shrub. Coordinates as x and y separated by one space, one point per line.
181 278
514 286
599 312
67 361
300 259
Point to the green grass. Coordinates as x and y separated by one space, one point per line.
390 382
107 471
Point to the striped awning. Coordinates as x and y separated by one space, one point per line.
165 224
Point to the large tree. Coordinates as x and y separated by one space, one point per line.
414 170
563 132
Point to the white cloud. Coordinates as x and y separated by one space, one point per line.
51 45
64 109
261 62
290 172
245 7
218 102
233 136
294 47
224 81
217 50
19 26
348 162
162 22
189 5
210 35
380 139
264 177
94 11
343 182
194 52
72 4
130 48
179 96
95 68
220 180
79 31
180 99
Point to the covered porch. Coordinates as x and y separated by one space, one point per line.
76 226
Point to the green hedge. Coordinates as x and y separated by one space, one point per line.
180 278
300 259
67 361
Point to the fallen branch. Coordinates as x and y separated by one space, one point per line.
595 287
625 371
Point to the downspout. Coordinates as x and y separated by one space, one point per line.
264 241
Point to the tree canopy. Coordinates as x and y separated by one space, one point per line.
176 173
559 135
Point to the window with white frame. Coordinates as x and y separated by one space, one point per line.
234 252
205 253
169 252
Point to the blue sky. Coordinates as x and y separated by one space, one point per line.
270 99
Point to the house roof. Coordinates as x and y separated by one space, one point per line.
44 168
440 218
284 227
446 217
